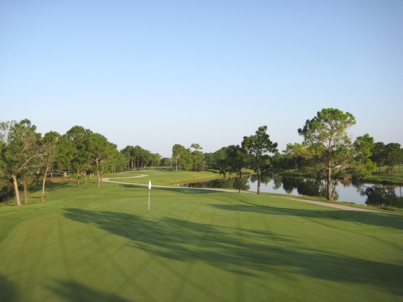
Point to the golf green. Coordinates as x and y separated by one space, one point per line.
89 244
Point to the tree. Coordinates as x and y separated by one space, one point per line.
378 154
117 161
327 144
258 147
48 155
237 160
182 158
219 161
393 155
129 154
99 150
197 157
20 152
137 155
80 160
363 145
155 159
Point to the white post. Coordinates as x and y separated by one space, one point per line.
149 192
149 198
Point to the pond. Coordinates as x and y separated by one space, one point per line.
360 193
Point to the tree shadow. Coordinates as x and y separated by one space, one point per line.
183 190
8 290
74 291
237 250
369 218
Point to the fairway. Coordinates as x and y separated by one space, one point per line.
89 244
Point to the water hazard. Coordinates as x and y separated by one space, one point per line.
360 193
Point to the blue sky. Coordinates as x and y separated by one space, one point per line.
159 73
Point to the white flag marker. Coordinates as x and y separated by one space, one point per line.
149 190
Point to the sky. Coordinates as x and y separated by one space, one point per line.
159 73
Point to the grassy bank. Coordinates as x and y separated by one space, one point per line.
89 244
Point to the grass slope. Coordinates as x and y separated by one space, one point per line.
89 244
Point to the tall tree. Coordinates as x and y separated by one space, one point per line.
363 145
128 151
219 161
258 147
99 149
80 161
65 154
378 154
327 143
20 150
182 158
197 157
48 151
237 160
393 155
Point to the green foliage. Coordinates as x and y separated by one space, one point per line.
182 158
394 154
363 146
197 157
327 145
378 154
258 147
20 153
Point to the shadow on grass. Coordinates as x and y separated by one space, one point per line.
376 219
74 291
183 190
8 290
241 251
50 185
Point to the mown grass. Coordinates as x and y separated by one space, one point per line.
89 244
164 176
385 177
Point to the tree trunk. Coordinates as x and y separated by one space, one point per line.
333 191
258 182
328 184
240 180
25 193
99 179
17 193
43 184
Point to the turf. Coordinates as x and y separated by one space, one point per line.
164 176
89 244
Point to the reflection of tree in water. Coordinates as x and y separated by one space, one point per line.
382 196
277 182
264 177
313 187
228 183
309 187
289 184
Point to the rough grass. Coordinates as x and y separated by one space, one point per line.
89 244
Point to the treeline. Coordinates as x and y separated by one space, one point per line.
27 157
327 152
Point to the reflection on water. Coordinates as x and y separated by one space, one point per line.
224 183
361 193
383 196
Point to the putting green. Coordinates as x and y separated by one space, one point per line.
89 244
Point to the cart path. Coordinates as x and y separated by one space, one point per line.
319 203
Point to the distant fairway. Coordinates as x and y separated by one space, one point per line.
89 244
